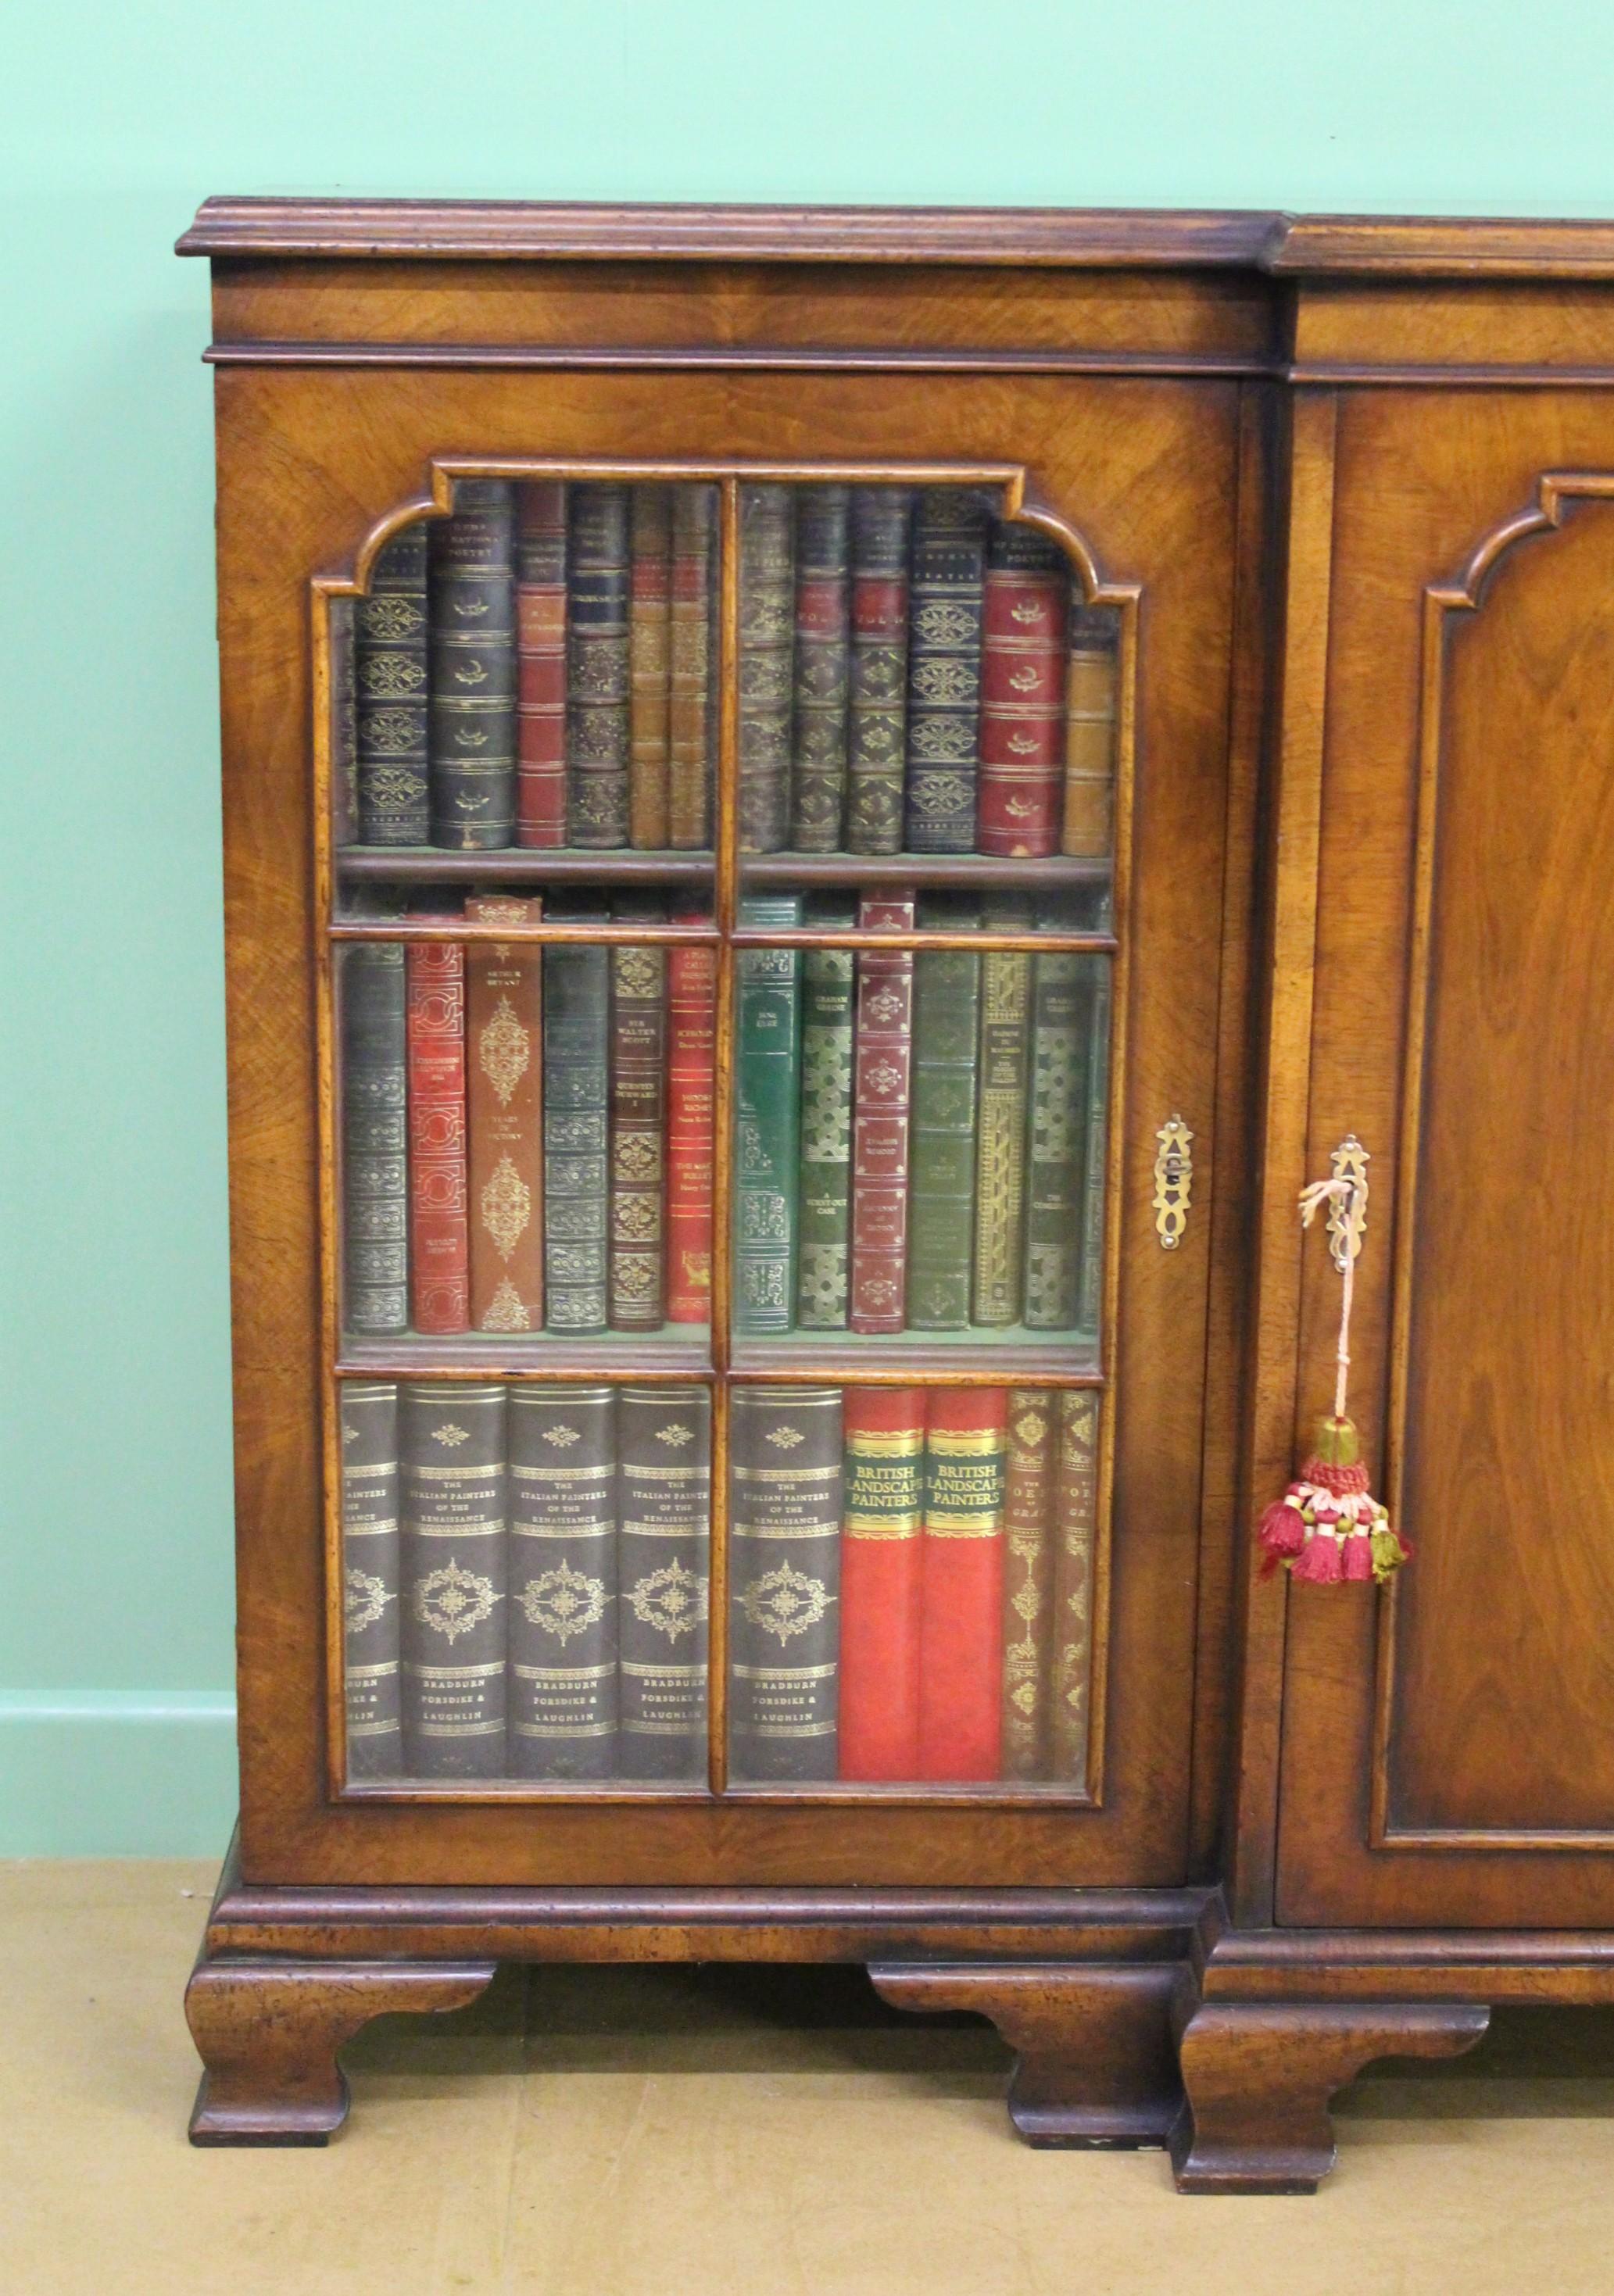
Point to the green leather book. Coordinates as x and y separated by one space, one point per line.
823 1202
1061 999
1090 1289
769 1121
1000 1147
941 1188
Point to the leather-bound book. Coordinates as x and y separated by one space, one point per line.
577 1029
690 711
784 1582
1061 1001
1090 722
505 1049
598 738
1090 1286
1076 1522
881 1555
563 1581
1027 1613
390 685
824 1202
944 671
440 1239
767 1119
961 1584
664 1529
882 1077
818 778
638 1128
1000 1146
941 1197
541 663
375 1139
877 714
451 1446
691 1052
1022 693
472 715
343 724
767 647
649 658
370 1579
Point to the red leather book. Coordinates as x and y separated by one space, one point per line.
439 1257
961 1584
541 663
881 1079
504 1100
1023 660
692 990
883 1432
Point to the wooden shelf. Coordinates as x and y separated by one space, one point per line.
488 1355
411 864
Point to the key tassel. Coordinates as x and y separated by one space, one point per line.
1328 1529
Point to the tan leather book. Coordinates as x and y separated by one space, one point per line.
505 1006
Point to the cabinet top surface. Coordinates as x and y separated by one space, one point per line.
1074 238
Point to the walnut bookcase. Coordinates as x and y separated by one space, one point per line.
1343 489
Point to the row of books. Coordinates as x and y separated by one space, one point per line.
528 1132
526 1578
915 674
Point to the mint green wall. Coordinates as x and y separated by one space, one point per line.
115 1719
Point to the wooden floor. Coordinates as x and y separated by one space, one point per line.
675 2132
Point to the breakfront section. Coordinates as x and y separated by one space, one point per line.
727 791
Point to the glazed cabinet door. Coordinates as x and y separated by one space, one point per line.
1447 1745
782 822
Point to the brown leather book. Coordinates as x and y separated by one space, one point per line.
649 643
690 713
1075 1521
1090 715
505 1005
1028 1580
882 1081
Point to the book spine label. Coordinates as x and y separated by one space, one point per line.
454 1573
823 599
784 1623
504 1041
375 1139
877 717
439 1239
1055 1201
882 1077
576 1016
1090 721
944 671
370 1579
391 690
473 715
563 1581
766 636
1022 693
692 993
961 1589
880 1556
689 684
825 1208
1076 1522
1000 1150
664 1515
1090 1287
1029 1502
344 723
541 663
638 1124
597 672
947 1026
649 647
767 1121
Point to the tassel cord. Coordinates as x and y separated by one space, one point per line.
1348 1194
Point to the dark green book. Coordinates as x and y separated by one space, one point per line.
949 568
1000 1148
941 1186
768 627
472 714
598 669
818 774
576 1028
390 694
1061 1000
769 1121
824 1201
1090 1289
